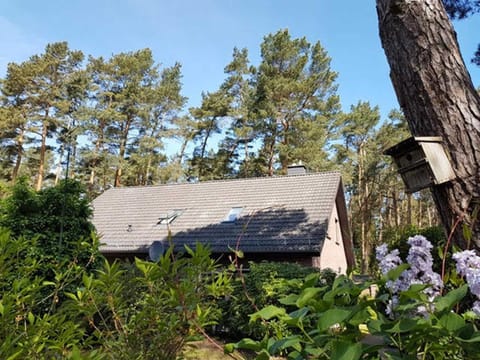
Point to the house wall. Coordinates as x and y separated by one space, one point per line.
333 251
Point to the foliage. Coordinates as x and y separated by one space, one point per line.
460 9
33 323
144 310
152 314
263 285
56 218
397 238
347 321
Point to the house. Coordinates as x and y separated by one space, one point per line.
300 218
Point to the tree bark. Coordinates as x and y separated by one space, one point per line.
18 160
437 97
43 151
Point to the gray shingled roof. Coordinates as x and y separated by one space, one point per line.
280 214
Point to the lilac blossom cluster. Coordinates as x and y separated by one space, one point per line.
468 265
420 272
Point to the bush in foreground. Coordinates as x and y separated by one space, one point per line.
408 319
144 310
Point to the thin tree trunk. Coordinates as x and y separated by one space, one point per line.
395 207
437 97
183 148
58 171
18 160
284 157
271 155
409 209
246 160
121 153
43 150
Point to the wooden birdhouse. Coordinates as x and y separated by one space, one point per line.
422 162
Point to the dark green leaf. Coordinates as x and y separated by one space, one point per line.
268 313
288 342
343 350
332 317
451 321
394 274
448 301
249 344
402 325
306 295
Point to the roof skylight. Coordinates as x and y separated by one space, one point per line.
170 217
233 214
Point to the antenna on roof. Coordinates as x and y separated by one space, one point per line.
156 250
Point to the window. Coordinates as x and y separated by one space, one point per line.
171 216
233 214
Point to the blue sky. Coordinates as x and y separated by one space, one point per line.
201 34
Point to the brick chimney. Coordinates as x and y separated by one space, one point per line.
296 169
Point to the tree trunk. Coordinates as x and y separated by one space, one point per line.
18 160
121 153
437 97
409 209
58 171
43 151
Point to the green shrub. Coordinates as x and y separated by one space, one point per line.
344 321
144 310
262 285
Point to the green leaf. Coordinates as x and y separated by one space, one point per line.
452 322
310 280
343 350
71 296
87 280
332 317
31 318
229 348
268 312
448 301
402 326
16 355
289 300
288 342
263 355
394 274
468 334
306 295
296 316
473 339
189 250
249 344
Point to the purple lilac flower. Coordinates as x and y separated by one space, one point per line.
466 260
387 260
468 265
420 272
381 251
421 262
419 256
476 308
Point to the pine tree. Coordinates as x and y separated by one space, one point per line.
294 83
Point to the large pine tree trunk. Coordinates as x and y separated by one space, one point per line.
437 97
